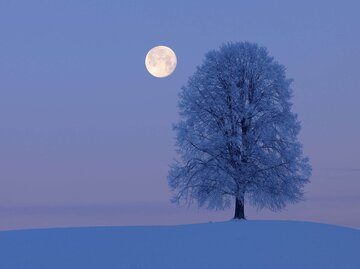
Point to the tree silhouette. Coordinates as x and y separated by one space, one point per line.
237 137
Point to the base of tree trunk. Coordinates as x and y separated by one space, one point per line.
239 209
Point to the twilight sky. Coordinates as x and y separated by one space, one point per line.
85 131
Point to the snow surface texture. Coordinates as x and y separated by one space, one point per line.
241 244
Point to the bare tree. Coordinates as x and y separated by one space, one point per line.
237 137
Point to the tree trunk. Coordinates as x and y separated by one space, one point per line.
239 209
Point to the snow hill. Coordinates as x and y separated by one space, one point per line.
242 244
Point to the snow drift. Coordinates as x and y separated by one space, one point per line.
242 244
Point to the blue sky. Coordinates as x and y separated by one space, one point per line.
85 131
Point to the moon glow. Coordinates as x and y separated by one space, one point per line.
160 61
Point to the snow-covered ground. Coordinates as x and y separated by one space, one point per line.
242 244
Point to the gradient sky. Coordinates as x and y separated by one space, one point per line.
85 131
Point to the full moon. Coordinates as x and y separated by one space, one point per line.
160 61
